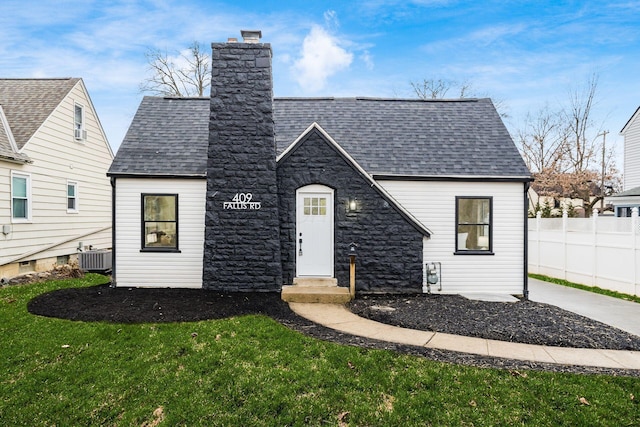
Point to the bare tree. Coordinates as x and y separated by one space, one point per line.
581 148
541 141
562 149
187 73
437 89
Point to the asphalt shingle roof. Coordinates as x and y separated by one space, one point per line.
409 137
169 136
7 151
635 191
27 103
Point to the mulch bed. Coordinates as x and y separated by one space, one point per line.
523 321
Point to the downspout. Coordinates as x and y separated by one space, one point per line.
525 290
113 232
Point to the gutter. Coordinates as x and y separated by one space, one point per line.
467 178
12 159
525 289
113 232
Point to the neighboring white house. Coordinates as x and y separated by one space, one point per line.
630 196
246 192
54 192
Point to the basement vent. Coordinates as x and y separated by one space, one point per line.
99 261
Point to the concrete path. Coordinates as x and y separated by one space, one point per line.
614 312
336 316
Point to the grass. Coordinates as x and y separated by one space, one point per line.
252 371
593 289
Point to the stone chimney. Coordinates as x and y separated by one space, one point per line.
242 240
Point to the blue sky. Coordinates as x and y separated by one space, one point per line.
524 53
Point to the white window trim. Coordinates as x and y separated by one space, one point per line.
29 197
79 134
77 208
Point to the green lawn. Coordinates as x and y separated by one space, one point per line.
251 371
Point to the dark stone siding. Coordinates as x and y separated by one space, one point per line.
389 248
242 247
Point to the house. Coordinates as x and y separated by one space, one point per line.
629 198
53 159
244 192
554 201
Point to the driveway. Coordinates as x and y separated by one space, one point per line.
624 315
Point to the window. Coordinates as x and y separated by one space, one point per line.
20 197
160 222
473 225
72 197
79 133
315 206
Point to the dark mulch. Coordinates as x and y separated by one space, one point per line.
520 322
526 322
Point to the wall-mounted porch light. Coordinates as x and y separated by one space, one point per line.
352 204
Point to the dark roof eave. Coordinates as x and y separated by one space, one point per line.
18 160
155 175
469 178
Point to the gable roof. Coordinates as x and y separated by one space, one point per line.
387 138
631 119
409 137
358 169
27 103
167 137
8 149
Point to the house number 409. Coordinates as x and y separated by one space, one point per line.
242 197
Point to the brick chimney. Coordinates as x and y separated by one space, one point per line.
242 242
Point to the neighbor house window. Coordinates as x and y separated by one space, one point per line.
72 197
20 197
79 132
159 222
473 225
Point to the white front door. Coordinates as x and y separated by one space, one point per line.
314 231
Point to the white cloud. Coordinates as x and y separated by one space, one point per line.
367 59
321 57
331 19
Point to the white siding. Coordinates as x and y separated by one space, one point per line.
632 154
433 204
156 269
59 158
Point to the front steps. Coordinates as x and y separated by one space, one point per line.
316 290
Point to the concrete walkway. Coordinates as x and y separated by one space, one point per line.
621 314
336 316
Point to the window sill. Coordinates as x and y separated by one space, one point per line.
478 252
21 221
161 250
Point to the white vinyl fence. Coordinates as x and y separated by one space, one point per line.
598 251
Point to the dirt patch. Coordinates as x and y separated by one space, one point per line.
59 272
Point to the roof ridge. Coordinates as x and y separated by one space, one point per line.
383 99
38 78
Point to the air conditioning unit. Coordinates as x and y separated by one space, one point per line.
80 134
96 261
